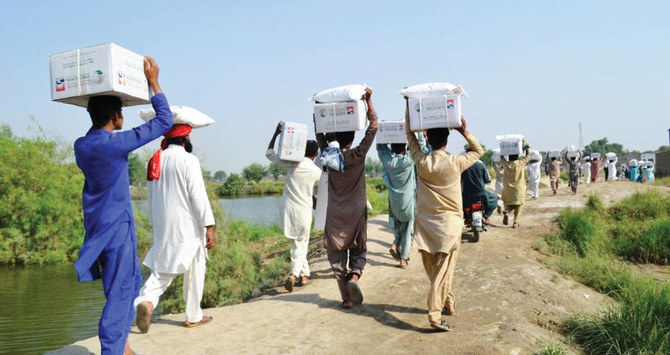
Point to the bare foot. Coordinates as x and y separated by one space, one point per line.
304 280
290 282
128 350
403 263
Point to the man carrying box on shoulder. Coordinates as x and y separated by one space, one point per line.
183 228
109 250
295 216
439 213
345 233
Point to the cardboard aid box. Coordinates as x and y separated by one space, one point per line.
572 154
104 69
510 144
340 116
442 111
554 154
292 141
392 132
595 156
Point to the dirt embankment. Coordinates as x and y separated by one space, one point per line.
508 301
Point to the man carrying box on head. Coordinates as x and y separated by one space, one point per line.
110 245
514 186
345 233
399 177
439 213
295 216
183 227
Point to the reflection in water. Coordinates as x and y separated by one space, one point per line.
44 308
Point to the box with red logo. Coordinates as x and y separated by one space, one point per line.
104 69
340 116
292 141
443 111
391 132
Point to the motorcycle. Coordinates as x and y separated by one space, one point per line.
473 213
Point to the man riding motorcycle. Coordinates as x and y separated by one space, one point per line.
473 184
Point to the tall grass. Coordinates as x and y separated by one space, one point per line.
592 242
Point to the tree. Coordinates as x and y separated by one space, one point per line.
664 148
220 176
206 175
233 185
486 157
136 169
276 170
373 166
254 172
602 146
6 131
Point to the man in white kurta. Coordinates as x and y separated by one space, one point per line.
183 222
534 175
295 216
586 170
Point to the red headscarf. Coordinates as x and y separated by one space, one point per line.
154 167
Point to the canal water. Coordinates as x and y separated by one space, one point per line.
44 308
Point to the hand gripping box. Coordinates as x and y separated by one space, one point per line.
510 144
391 132
104 69
292 141
442 111
340 116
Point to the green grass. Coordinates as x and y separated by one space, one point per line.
594 243
377 195
664 181
551 349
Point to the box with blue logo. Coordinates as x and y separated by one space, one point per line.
340 116
391 132
104 69
442 111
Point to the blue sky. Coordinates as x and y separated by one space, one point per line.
536 68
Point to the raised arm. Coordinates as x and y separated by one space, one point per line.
270 153
371 131
414 147
470 157
130 140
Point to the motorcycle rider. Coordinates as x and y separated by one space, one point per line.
473 185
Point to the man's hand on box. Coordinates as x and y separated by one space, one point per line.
151 73
368 94
463 128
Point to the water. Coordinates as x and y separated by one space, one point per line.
44 308
255 210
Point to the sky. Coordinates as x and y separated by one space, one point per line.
537 68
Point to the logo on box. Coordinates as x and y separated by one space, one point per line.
350 110
60 84
450 104
122 78
98 77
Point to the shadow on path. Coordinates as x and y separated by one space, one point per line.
379 312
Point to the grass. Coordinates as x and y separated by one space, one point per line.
663 181
595 243
377 195
551 349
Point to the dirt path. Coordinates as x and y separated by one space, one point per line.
508 301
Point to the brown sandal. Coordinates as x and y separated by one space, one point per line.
204 320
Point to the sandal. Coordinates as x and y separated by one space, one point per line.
442 326
394 254
403 265
204 320
290 283
516 225
505 218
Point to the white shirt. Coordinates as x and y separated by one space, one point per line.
295 217
179 211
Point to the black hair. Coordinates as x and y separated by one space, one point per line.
398 148
311 148
437 137
345 138
513 157
183 141
102 109
553 158
330 137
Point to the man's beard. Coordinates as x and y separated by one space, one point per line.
188 147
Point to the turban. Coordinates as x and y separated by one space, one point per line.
154 167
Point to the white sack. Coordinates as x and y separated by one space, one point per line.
182 115
495 157
352 92
432 89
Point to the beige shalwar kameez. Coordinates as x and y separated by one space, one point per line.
439 216
514 185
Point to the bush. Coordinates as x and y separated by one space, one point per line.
581 229
641 206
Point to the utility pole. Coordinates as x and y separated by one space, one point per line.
581 138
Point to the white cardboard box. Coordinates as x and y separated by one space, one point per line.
292 141
340 116
649 156
510 144
595 156
572 154
391 132
554 154
104 69
535 155
435 112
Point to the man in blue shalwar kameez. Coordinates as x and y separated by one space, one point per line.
110 245
399 176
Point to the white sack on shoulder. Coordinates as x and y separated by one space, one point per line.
352 92
182 115
432 89
509 137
